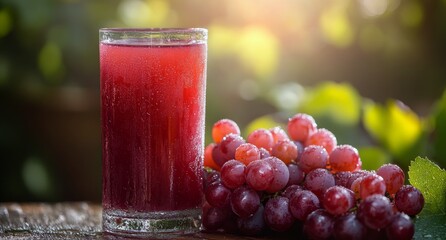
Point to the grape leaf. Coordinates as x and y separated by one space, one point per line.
431 181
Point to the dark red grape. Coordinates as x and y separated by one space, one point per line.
214 218
208 159
409 200
319 225
290 190
259 175
318 181
393 176
217 195
348 227
342 179
338 200
281 174
244 202
297 176
209 177
264 153
225 150
277 214
253 225
400 228
233 174
302 203
375 211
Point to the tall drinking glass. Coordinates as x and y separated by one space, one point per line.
153 84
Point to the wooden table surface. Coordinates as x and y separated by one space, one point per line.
78 220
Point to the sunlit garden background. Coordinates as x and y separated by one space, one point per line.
372 71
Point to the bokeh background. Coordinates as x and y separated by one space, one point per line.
344 61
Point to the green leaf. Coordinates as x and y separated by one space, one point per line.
395 126
338 101
430 179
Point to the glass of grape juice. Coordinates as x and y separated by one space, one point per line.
153 84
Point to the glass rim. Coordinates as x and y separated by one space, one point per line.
155 30
153 36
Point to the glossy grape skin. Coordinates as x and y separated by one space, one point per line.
297 176
372 184
400 228
278 134
324 138
262 138
318 181
342 179
344 158
338 200
281 174
259 175
355 175
409 200
209 177
264 153
348 227
285 150
246 153
300 149
319 225
277 214
393 176
302 203
253 225
375 211
233 174
244 202
222 128
217 195
290 190
225 150
313 157
300 126
214 218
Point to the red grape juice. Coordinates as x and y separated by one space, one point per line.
152 116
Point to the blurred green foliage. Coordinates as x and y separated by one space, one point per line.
332 59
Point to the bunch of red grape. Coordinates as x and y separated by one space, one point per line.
302 181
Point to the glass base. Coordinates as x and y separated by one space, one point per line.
154 224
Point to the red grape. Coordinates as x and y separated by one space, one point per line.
348 227
244 202
253 225
338 200
290 190
247 153
300 126
313 157
324 138
375 211
222 128
217 195
318 181
344 158
297 176
208 159
278 134
319 225
262 138
285 150
225 150
281 174
259 175
393 177
401 228
233 174
409 200
302 203
342 178
277 214
372 184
